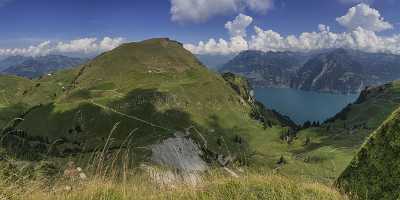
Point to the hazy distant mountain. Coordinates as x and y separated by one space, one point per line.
215 61
347 71
32 67
266 69
11 61
336 71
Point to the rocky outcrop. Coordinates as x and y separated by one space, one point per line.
183 159
179 153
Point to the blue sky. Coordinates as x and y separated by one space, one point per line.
27 22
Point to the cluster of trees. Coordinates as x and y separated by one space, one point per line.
309 124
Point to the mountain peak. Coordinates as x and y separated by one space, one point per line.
164 42
158 57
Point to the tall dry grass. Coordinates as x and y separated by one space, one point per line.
218 187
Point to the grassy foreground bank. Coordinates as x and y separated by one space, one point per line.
140 186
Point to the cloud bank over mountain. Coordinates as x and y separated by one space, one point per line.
78 46
363 24
362 21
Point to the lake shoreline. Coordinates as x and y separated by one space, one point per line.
302 106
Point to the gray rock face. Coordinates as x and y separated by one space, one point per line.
179 153
171 178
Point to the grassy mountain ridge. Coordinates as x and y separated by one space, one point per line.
374 172
154 86
25 93
330 147
12 87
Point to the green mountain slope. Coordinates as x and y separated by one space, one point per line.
19 94
374 173
149 91
12 87
267 116
329 148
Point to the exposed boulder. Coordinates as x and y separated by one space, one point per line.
179 153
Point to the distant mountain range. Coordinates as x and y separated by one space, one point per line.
270 69
33 67
335 71
11 61
215 62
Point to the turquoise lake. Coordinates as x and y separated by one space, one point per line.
303 106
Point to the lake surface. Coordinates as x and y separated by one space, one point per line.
300 105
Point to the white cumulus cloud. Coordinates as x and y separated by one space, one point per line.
359 38
362 38
222 47
362 15
238 26
237 42
78 46
202 10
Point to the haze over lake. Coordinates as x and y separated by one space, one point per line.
303 106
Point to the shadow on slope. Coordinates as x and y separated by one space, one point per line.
70 129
